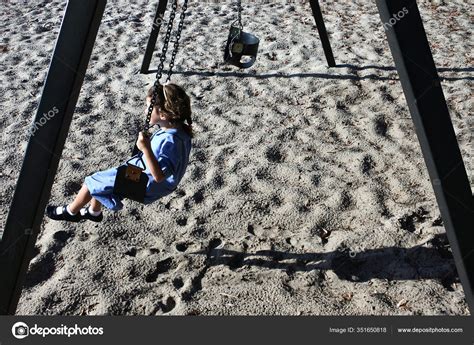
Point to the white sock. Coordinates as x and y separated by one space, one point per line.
69 211
94 213
59 210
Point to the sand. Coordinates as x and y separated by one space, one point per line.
306 193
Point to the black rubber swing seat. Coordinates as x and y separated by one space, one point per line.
131 181
241 48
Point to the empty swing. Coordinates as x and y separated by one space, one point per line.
130 181
241 47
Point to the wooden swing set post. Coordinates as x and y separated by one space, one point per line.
429 111
323 34
60 92
155 30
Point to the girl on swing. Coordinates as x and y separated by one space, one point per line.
166 156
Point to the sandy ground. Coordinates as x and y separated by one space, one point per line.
286 152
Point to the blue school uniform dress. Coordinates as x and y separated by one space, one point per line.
171 147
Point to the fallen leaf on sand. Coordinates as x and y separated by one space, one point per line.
347 296
402 303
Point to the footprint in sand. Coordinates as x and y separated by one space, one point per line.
41 270
200 156
182 221
196 173
161 267
381 126
71 188
181 247
168 305
274 155
200 233
346 201
178 283
217 182
62 236
198 197
408 221
131 252
86 236
367 165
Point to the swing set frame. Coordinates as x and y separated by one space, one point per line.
160 14
419 79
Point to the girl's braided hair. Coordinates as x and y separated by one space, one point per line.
175 105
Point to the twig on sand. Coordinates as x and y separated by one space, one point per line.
403 304
227 295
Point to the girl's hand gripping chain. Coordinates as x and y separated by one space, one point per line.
143 142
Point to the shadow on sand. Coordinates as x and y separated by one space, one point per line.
352 76
392 263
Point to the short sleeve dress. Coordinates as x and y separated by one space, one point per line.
171 147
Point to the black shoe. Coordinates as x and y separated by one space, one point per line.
51 213
86 215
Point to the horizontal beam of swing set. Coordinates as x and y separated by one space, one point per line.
160 12
81 21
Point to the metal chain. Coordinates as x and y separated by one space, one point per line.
239 9
176 42
154 97
241 27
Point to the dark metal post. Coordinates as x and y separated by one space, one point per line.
421 85
323 34
64 80
155 30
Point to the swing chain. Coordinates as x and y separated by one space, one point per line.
154 97
239 8
176 42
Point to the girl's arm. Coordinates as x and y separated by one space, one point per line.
143 144
153 165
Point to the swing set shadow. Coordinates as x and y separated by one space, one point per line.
220 74
391 263
422 88
350 266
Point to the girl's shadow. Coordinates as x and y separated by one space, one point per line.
434 261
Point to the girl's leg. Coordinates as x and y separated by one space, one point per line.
73 210
82 198
96 206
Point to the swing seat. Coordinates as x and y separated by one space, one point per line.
130 182
241 48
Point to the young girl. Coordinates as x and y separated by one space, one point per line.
166 156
